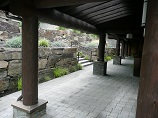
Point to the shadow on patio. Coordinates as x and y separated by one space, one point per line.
83 95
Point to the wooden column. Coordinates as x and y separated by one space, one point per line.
127 44
30 60
147 103
101 47
123 50
129 49
118 47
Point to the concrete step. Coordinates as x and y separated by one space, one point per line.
80 58
83 61
87 64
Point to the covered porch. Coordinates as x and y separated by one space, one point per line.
84 95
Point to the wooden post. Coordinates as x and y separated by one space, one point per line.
118 47
127 45
30 60
101 47
129 48
147 103
123 50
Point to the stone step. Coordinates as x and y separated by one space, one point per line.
87 64
80 58
83 61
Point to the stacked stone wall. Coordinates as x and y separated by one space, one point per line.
49 58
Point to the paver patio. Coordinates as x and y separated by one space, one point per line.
84 95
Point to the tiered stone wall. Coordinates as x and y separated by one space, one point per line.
49 58
87 51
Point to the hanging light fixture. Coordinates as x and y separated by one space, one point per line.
129 36
144 13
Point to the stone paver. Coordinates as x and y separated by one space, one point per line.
83 95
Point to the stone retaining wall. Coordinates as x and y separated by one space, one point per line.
87 51
49 58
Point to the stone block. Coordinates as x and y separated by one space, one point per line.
3 73
34 111
10 55
14 68
13 84
42 74
117 60
42 63
4 84
16 55
52 60
57 51
64 62
44 52
70 50
99 68
67 55
2 56
3 64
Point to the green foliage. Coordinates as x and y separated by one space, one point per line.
15 42
20 24
79 67
58 72
92 44
93 36
86 57
81 54
61 28
43 43
20 84
76 31
108 58
59 44
75 68
47 78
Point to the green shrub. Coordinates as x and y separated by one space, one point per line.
58 72
20 84
59 44
43 43
72 69
79 67
92 45
47 78
75 68
61 28
108 58
15 42
86 57
81 54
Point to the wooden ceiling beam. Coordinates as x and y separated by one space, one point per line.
116 11
107 14
113 18
59 3
100 12
86 7
98 8
58 18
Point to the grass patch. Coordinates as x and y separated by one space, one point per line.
58 72
43 43
75 68
19 84
15 42
47 78
108 58
86 57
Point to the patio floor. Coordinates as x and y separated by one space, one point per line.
84 95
